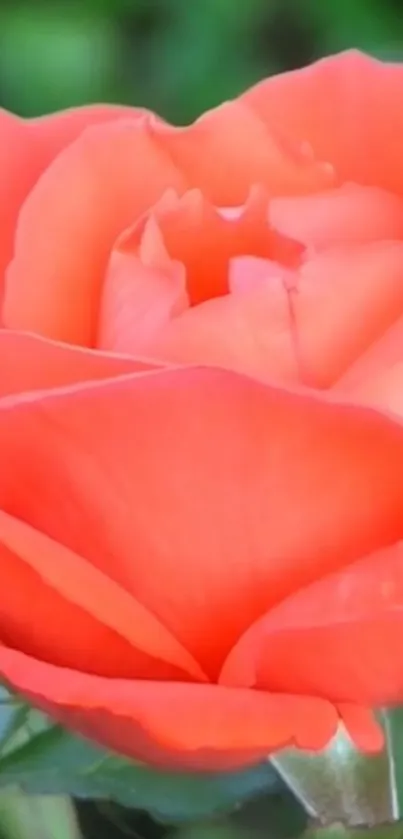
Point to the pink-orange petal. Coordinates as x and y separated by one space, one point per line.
171 724
338 638
55 131
19 169
383 390
307 325
143 290
231 148
29 362
205 239
346 297
375 375
27 148
37 618
363 727
93 190
351 213
248 331
347 107
181 255
207 495
81 584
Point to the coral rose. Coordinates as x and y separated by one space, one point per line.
201 438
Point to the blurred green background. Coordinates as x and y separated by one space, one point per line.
177 57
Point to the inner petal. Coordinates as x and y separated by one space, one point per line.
182 259
205 240
193 284
249 330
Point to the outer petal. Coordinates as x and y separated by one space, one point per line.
231 148
345 215
384 391
55 131
95 188
46 587
208 495
348 108
173 725
19 170
26 149
375 377
338 638
29 362
362 726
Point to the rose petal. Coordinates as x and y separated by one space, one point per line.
349 214
304 322
366 375
346 297
34 617
207 495
347 107
231 148
143 290
363 727
109 633
249 331
27 147
303 326
56 131
205 239
34 363
174 725
338 638
19 170
93 190
183 254
383 390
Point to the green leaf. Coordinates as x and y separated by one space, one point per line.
42 817
56 762
18 722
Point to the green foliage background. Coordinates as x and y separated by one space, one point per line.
177 57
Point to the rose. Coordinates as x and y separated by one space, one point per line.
201 443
